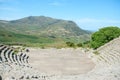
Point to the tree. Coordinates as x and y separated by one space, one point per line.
104 35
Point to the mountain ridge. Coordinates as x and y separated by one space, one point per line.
46 27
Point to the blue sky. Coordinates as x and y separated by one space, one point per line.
88 14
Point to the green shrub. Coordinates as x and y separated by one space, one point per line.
103 36
70 44
79 44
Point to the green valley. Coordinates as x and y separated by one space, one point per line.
41 31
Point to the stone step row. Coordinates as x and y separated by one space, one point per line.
15 66
108 59
109 53
7 54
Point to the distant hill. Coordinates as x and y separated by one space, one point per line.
42 29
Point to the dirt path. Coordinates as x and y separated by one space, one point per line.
60 61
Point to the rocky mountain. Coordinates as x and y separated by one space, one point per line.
40 25
45 27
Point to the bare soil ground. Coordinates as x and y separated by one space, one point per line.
60 61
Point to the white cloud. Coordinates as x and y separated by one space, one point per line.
89 20
55 4
7 9
95 24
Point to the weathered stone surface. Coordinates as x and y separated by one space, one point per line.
16 66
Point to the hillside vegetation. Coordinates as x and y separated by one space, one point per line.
104 35
41 31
